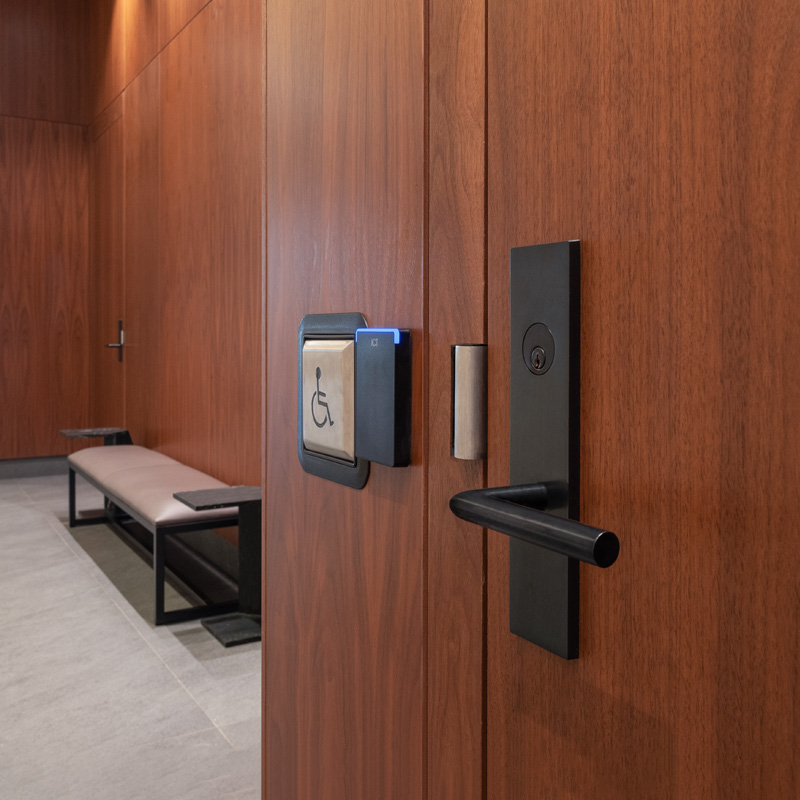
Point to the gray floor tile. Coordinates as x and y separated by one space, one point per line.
243 735
95 702
11 491
199 766
124 572
245 794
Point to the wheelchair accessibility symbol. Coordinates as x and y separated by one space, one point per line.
319 406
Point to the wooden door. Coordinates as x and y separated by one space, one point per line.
399 178
344 591
106 268
664 137
374 600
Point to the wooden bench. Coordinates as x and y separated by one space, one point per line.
141 483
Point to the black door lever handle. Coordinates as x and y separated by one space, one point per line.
518 511
120 343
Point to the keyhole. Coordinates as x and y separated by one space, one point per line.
538 358
538 349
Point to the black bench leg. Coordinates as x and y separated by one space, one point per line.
164 617
158 569
74 522
72 519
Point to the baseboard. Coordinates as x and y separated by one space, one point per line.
32 467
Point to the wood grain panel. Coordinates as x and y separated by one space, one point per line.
43 60
107 41
209 203
140 23
456 315
107 269
144 295
43 285
106 118
174 16
666 139
344 707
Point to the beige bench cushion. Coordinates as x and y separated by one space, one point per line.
146 480
149 490
100 462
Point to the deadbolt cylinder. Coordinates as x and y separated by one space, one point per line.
538 348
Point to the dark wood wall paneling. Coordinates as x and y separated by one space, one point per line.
174 15
666 139
43 285
141 21
456 315
212 366
44 225
344 707
192 153
209 304
43 60
125 36
107 45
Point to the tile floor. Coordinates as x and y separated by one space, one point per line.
95 702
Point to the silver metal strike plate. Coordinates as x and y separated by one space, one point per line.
469 401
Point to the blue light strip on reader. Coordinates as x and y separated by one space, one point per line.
394 331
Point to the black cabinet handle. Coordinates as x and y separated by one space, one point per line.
517 511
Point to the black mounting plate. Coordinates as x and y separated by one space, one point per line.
545 434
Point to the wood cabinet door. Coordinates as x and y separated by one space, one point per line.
664 137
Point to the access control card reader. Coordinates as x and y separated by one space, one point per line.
383 396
